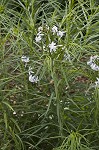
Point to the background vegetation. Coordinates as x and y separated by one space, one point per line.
61 110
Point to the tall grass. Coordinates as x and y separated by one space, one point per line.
60 111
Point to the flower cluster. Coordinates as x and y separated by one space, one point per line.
58 32
32 78
52 45
94 67
47 39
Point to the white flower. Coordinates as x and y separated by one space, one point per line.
43 46
97 83
52 47
47 27
51 117
66 108
92 59
25 59
60 33
54 29
30 71
14 113
92 63
40 29
94 67
89 62
33 79
40 34
38 38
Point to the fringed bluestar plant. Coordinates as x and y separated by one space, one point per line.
51 45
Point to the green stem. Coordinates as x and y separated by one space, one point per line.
55 79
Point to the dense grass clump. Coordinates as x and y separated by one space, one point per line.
49 75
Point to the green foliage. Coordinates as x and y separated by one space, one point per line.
73 142
60 111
